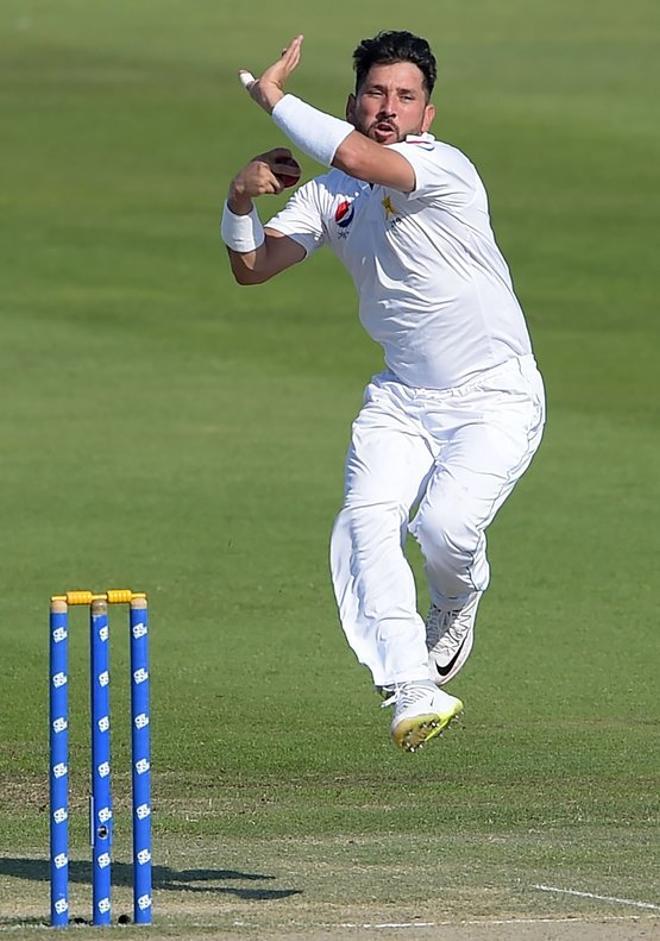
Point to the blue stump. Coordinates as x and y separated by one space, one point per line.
59 764
141 760
101 799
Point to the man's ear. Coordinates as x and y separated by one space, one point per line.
350 109
429 115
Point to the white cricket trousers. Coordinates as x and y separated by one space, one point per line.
453 454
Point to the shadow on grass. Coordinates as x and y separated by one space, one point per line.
187 880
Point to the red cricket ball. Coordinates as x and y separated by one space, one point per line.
293 174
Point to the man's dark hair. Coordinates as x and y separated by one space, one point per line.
395 46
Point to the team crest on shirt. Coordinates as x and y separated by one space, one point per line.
344 214
392 216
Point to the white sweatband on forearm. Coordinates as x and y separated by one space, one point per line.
242 233
314 132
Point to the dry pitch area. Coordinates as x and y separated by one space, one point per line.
323 889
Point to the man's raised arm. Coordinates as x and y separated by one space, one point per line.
327 139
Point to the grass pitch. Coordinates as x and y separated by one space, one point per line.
167 430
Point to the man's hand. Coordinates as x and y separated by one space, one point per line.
268 89
259 178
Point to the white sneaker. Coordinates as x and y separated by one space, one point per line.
449 638
421 711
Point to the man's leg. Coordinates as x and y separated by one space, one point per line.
486 438
386 469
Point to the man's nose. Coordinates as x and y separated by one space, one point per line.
388 107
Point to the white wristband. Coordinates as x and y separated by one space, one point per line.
315 133
242 233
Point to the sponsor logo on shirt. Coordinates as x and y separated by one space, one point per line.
344 213
344 216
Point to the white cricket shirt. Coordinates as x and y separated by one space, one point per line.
434 289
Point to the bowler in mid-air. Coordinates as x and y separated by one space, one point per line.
453 421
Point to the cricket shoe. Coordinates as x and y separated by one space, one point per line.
449 638
421 711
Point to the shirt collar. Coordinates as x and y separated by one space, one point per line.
426 137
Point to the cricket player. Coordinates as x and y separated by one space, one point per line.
453 421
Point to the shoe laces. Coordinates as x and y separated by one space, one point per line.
449 625
406 694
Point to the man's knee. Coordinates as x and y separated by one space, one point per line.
444 533
365 523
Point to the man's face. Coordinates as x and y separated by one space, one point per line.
391 103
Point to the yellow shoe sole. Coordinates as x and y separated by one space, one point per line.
411 734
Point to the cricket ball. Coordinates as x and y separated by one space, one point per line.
292 174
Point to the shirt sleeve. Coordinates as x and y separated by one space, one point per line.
301 218
443 174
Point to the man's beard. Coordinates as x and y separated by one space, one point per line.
383 131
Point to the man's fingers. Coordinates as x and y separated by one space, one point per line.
276 185
269 183
294 42
292 52
276 75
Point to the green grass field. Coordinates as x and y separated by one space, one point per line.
165 429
